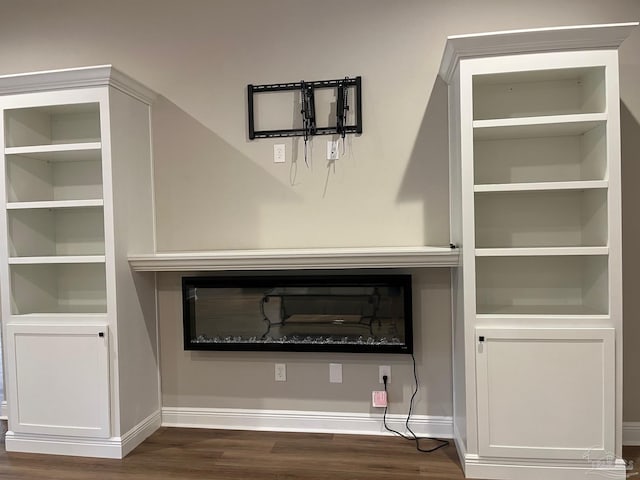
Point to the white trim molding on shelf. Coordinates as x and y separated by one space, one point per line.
96 76
297 259
531 41
303 421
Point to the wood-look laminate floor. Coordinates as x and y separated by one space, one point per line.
182 453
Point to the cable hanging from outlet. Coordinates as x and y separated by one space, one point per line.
412 437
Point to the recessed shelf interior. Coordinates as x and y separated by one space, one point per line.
542 285
58 288
539 93
541 159
74 123
73 175
557 218
58 231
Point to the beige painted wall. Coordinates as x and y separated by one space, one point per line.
216 189
246 380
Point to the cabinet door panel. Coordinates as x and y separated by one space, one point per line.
546 393
60 380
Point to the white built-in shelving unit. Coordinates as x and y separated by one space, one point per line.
535 199
75 198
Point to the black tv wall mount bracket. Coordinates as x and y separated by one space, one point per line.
307 95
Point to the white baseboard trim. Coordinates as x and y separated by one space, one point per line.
303 421
140 432
531 469
4 412
61 445
114 447
631 434
460 446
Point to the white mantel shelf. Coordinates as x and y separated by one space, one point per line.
296 259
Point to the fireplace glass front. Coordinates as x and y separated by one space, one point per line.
346 313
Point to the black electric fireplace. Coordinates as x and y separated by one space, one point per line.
324 313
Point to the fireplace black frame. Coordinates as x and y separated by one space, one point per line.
402 281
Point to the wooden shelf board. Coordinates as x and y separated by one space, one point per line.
55 204
541 251
529 311
534 127
59 151
548 317
55 259
541 186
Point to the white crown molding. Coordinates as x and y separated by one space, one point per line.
296 259
303 421
97 76
584 37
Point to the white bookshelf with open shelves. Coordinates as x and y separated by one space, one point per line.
535 191
75 196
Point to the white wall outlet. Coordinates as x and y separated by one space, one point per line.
281 372
332 150
335 373
279 153
384 370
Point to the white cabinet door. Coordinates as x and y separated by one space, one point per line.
60 379
546 393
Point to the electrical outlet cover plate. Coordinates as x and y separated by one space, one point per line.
335 373
279 153
332 150
281 372
379 398
382 371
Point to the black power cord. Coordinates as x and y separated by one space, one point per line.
413 437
